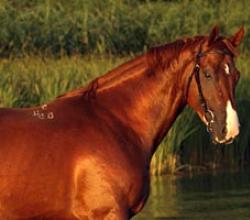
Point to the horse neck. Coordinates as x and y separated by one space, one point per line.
145 99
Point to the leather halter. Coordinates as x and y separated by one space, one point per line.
209 115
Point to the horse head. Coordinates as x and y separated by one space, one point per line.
211 85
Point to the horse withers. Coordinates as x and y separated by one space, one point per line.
86 155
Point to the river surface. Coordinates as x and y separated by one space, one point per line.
224 196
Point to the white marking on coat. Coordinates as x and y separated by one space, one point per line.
43 113
232 121
44 107
50 115
41 116
36 113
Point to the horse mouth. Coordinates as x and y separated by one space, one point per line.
226 142
221 138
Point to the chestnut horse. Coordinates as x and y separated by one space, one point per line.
86 155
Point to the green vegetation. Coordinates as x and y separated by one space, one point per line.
112 26
35 80
45 48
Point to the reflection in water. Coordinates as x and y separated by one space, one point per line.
201 197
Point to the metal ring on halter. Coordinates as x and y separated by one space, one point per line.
209 127
209 115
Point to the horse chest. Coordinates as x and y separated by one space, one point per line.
98 184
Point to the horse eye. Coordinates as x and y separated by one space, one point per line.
207 74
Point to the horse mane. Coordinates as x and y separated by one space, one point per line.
75 92
162 56
159 57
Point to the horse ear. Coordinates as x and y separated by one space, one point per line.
213 35
237 37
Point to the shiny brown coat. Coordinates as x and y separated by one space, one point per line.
87 154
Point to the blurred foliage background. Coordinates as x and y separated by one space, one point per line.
48 47
66 27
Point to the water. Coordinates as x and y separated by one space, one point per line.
224 196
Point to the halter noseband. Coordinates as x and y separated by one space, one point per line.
209 115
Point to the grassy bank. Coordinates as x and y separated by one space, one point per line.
108 26
34 80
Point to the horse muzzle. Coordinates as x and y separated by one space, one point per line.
222 134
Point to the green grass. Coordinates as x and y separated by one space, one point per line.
111 26
34 80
